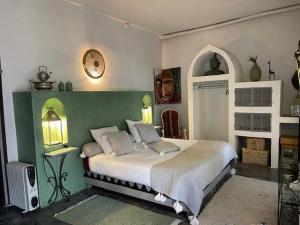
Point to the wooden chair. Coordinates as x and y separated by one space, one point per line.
170 124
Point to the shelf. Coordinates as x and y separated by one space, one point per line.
210 78
59 152
253 109
243 133
289 119
257 84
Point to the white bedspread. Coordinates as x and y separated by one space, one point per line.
136 167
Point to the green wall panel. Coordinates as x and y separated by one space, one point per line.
84 111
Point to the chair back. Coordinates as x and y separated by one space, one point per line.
170 123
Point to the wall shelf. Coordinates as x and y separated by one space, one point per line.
242 133
253 109
289 119
210 78
271 92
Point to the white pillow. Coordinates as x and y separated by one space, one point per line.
91 149
97 134
131 126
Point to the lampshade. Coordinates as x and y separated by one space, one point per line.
52 128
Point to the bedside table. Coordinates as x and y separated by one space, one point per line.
58 179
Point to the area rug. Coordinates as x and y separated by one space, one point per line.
242 201
100 210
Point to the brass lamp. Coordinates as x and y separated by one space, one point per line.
52 128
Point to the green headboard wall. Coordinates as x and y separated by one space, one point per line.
84 110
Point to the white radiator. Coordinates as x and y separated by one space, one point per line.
22 184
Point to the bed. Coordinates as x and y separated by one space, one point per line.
134 174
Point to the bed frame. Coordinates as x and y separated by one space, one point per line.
145 192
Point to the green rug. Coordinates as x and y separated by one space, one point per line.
100 210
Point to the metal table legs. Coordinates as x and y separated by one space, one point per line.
57 182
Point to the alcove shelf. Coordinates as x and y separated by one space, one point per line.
210 78
210 109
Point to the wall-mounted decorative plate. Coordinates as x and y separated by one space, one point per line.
93 63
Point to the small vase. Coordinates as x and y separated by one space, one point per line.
255 72
295 107
69 86
61 86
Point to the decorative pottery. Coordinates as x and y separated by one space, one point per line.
43 76
295 107
255 72
48 85
61 86
69 86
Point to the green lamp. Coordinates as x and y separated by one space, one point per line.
52 128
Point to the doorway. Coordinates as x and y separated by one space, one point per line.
3 151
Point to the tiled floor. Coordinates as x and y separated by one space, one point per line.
13 216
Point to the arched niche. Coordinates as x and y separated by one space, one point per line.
203 103
202 64
57 106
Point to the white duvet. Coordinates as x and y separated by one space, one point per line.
136 167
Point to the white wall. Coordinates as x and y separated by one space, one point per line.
56 33
272 38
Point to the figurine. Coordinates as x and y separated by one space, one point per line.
214 66
271 73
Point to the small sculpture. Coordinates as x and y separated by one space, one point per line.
214 66
271 73
255 72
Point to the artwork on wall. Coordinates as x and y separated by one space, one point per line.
167 86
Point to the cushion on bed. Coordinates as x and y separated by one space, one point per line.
120 143
97 134
132 139
147 133
91 149
131 126
164 147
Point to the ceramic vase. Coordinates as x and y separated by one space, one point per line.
255 72
69 86
295 107
61 86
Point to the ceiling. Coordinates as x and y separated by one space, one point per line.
169 16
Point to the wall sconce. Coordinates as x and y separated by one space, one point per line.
93 63
52 128
147 109
147 115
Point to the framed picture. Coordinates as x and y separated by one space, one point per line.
167 86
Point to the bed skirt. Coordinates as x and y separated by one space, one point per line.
147 193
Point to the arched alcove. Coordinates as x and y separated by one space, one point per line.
54 124
211 97
202 64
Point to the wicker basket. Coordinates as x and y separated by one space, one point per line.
289 140
255 157
256 144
